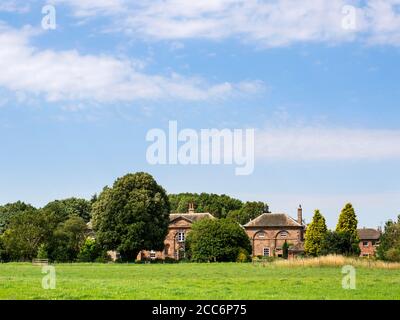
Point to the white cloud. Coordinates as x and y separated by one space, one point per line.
296 144
13 6
267 23
89 8
69 75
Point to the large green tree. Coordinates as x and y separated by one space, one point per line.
10 210
347 220
315 234
389 245
217 240
67 239
132 216
26 232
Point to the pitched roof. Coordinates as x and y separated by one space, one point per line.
368 234
273 220
192 217
298 247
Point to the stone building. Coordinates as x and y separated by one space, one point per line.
180 225
269 231
369 241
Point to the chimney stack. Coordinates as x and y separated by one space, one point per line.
300 215
191 207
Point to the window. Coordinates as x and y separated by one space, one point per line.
266 252
152 254
365 243
284 234
181 237
166 249
261 235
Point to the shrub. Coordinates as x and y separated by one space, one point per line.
285 250
340 243
90 251
393 254
216 240
169 260
42 252
243 256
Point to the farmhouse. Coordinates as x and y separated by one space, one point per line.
369 241
179 226
269 231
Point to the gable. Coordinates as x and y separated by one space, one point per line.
180 222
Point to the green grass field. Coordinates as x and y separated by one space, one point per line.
195 281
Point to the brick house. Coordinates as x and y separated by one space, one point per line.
369 241
269 231
180 225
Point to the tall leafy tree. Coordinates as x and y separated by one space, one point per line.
347 220
217 240
132 216
315 234
389 246
26 232
67 239
10 210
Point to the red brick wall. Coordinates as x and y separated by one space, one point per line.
368 250
272 238
171 241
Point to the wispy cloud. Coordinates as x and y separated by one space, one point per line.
69 75
266 23
90 8
313 143
14 6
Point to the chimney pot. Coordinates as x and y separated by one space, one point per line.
300 215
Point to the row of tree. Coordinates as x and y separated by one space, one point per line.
57 231
133 215
220 206
344 240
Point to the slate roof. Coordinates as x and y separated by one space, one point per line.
273 220
368 234
193 217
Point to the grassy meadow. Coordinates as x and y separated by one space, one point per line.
280 280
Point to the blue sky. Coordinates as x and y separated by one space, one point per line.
76 102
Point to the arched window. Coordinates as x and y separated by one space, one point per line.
283 234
